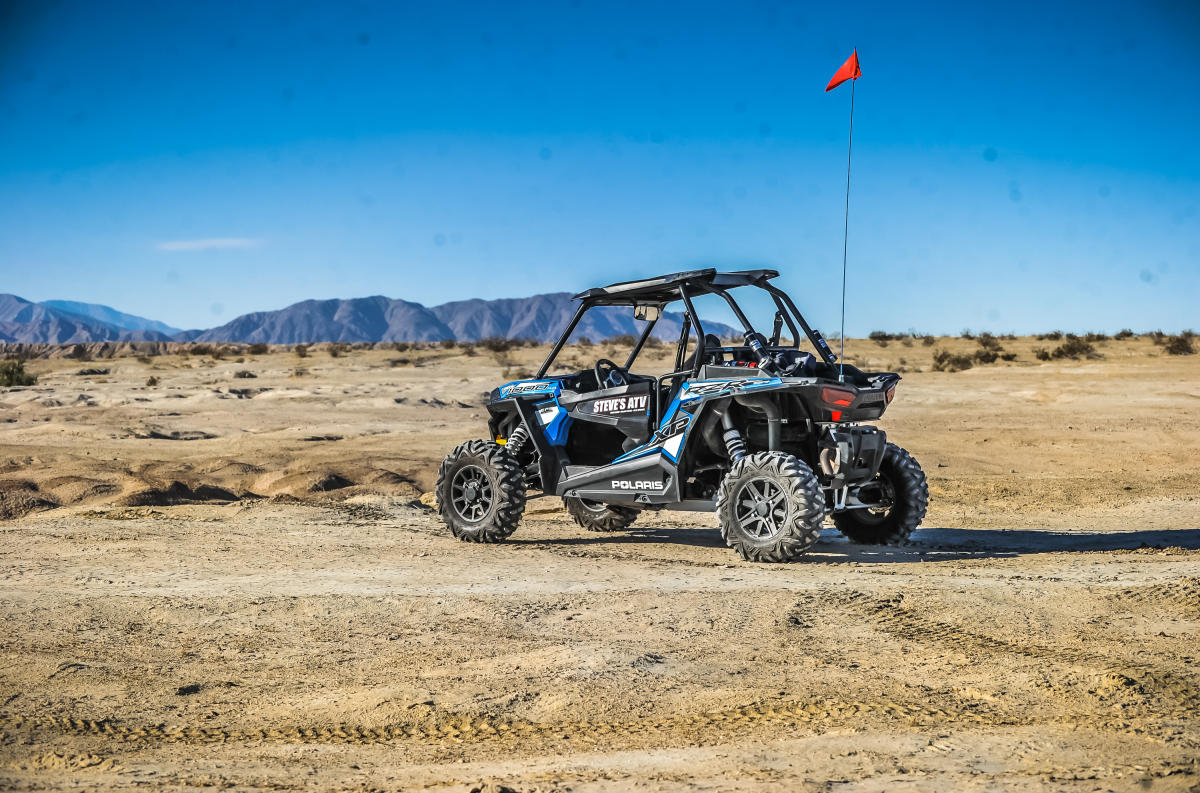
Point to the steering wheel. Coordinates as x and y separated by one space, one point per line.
615 376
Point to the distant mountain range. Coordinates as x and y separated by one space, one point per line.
363 319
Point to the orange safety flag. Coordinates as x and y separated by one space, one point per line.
849 71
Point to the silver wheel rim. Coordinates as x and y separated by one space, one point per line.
471 493
761 508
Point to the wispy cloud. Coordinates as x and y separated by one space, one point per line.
211 244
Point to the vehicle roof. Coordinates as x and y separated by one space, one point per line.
665 288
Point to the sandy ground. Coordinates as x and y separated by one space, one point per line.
232 582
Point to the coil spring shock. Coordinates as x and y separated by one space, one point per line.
734 445
516 439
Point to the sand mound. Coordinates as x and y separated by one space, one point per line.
20 497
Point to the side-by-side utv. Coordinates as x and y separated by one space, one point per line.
768 435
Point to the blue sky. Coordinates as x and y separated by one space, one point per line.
1017 167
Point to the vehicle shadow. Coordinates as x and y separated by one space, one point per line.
926 545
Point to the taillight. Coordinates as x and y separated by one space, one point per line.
836 396
891 392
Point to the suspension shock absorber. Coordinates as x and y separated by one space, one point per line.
516 439
734 445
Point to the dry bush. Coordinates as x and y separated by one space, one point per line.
80 353
448 344
967 334
946 361
653 343
338 349
584 341
299 372
12 373
401 346
1089 336
301 350
151 381
244 374
1123 333
1053 335
202 349
469 350
495 344
1074 348
1180 345
622 340
1008 356
1042 354
144 359
258 349
985 356
989 342
927 341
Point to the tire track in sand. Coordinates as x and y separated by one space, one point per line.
891 616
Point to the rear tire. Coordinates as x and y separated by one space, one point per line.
770 506
481 492
903 482
597 516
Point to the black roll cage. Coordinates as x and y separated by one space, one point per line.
664 291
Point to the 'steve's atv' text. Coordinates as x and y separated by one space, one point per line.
764 433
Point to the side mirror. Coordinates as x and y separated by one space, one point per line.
646 312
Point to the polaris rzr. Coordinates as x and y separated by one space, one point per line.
767 435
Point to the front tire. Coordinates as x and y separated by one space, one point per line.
481 492
770 506
597 516
904 497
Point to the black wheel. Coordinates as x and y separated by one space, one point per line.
481 492
901 494
770 506
598 516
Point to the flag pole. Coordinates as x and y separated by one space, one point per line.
846 237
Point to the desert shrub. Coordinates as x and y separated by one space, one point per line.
1074 348
1042 354
448 344
927 341
1008 356
401 346
653 343
584 341
1188 333
880 337
1158 337
1008 336
525 341
469 350
986 356
202 349
258 349
301 350
1179 345
80 353
151 381
244 374
1089 336
967 334
1123 333
338 349
622 340
299 372
495 344
946 361
989 342
1053 335
12 373
906 341
903 362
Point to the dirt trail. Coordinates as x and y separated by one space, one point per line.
1040 631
